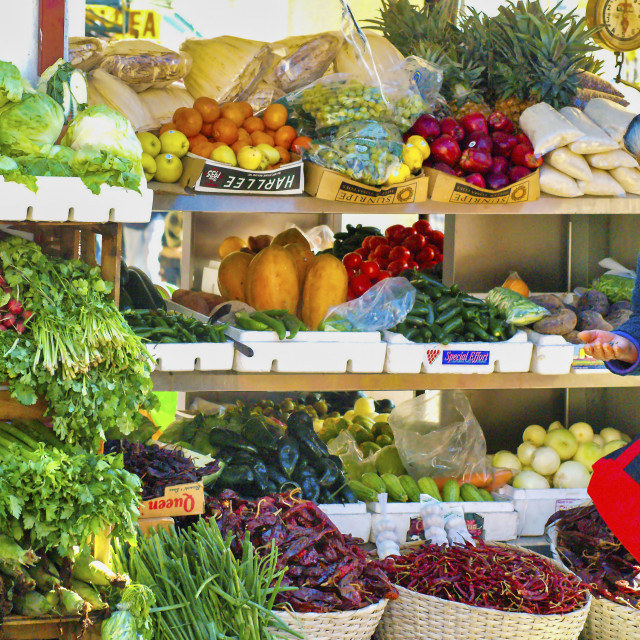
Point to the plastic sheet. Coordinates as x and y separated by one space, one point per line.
86 53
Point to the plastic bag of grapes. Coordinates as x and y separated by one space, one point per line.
366 152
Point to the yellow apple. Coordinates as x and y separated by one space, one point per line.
174 142
149 166
272 155
150 143
412 157
224 154
422 144
169 168
250 158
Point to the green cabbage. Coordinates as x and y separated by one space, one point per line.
29 125
104 130
11 84
11 172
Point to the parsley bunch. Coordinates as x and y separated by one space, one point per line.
57 499
77 350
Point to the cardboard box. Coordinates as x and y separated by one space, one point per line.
207 176
446 188
181 500
331 185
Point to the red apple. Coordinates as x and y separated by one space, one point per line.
479 141
503 143
522 156
518 173
446 149
477 180
499 165
474 123
522 138
475 161
497 181
426 126
499 122
445 168
450 127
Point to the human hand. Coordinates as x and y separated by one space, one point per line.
604 345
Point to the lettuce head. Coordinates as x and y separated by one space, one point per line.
29 125
11 83
102 129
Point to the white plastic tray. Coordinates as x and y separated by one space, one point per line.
500 518
352 519
510 356
306 336
536 506
552 355
68 200
197 356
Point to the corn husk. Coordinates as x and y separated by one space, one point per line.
89 594
86 53
162 103
32 604
71 603
44 580
302 60
354 58
119 96
225 67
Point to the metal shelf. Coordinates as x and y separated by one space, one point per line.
547 205
238 382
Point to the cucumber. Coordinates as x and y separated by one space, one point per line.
373 481
394 488
485 495
363 492
429 486
410 487
451 491
470 493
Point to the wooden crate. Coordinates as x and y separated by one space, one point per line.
76 240
67 628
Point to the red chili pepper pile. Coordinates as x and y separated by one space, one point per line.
588 547
488 576
329 571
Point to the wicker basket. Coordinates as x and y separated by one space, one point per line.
341 625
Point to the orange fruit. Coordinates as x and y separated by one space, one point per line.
285 156
207 129
196 140
203 149
166 127
243 134
225 131
247 109
231 244
189 122
208 108
285 136
275 116
253 124
271 132
234 112
216 145
238 144
260 137
300 143
275 166
178 111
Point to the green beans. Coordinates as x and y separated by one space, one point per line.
163 327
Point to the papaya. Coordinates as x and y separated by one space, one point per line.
325 286
232 275
291 236
303 258
272 280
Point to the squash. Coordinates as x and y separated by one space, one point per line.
291 236
302 258
325 286
517 284
232 274
272 280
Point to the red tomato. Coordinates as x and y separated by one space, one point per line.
381 251
422 227
407 233
351 272
367 240
383 275
364 252
360 284
396 267
370 269
426 255
414 243
393 230
437 238
400 253
383 263
377 241
352 260
413 265
350 295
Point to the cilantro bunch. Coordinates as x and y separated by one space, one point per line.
57 499
77 351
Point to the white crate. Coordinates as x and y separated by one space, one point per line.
343 337
352 519
536 506
197 356
510 356
68 200
500 518
552 355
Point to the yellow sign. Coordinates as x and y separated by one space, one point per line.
143 23
181 500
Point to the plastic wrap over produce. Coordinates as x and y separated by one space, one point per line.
438 436
383 306
86 53
144 65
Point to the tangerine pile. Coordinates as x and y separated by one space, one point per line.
209 125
